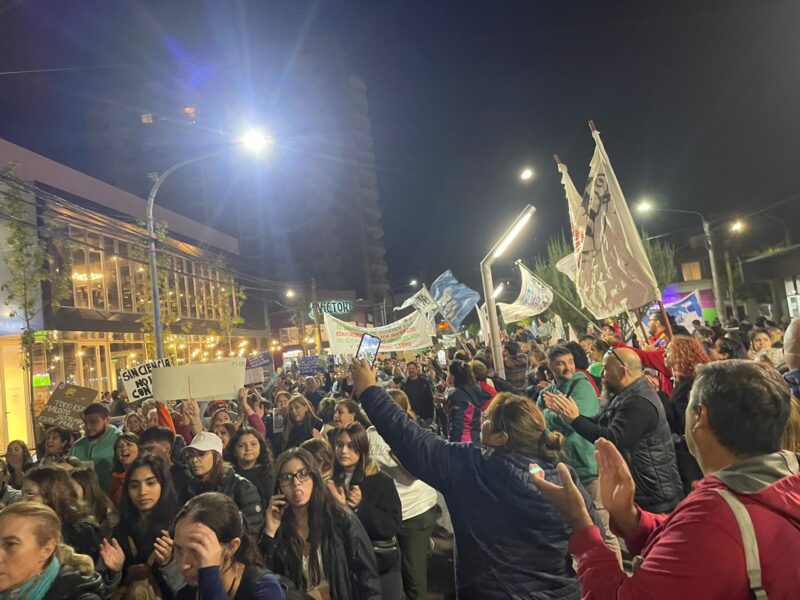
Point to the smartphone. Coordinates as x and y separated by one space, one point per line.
441 358
368 348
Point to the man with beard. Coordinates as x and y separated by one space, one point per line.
419 390
634 421
578 452
98 441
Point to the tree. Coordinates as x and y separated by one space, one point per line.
33 245
662 259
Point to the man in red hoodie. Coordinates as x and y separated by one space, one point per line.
739 529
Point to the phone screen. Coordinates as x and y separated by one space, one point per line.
441 358
368 348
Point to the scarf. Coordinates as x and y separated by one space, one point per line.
36 587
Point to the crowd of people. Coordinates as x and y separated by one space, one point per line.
596 468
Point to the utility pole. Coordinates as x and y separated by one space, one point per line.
315 312
301 316
729 270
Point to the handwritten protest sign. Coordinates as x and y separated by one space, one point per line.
409 333
66 405
309 365
220 379
138 382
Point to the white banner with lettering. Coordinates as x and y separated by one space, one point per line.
534 298
409 333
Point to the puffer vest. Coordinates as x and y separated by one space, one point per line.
652 460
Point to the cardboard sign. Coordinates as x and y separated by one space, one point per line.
264 359
221 379
138 381
66 405
252 376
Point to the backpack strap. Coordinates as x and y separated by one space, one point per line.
749 541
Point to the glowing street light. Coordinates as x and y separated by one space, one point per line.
513 232
526 174
290 293
255 141
645 206
737 226
413 283
498 290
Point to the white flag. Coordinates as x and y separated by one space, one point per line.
483 318
424 304
576 222
613 274
534 298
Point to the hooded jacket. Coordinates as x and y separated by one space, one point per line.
242 491
465 412
696 551
74 585
510 543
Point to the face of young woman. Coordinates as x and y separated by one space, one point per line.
53 444
134 425
222 417
223 434
295 483
247 449
144 489
31 491
761 341
127 452
21 556
187 534
200 463
14 452
342 416
298 411
346 454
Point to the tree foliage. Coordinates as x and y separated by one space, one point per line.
662 259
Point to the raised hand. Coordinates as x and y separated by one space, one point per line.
337 492
162 548
277 507
112 555
563 405
565 498
204 544
354 497
616 486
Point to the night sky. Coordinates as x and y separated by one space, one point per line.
698 102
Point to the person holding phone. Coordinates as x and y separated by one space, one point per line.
320 546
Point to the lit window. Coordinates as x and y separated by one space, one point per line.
147 118
691 271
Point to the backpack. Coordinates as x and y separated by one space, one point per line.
140 583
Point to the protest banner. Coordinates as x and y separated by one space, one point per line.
409 333
454 299
138 382
309 365
65 406
220 379
260 360
534 298
253 376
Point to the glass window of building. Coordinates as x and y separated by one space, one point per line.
691 271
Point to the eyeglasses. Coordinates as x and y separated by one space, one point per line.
301 476
190 456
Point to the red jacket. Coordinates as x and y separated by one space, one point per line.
696 551
653 359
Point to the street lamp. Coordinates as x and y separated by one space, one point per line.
488 286
253 141
498 290
526 174
290 293
390 291
645 206
737 226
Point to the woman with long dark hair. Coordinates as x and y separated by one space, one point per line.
217 555
466 400
140 547
211 474
359 484
344 413
509 541
319 545
95 499
19 460
252 459
126 450
301 423
52 486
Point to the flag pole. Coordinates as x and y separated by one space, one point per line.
441 312
665 316
575 308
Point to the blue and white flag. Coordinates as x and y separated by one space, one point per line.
534 298
454 298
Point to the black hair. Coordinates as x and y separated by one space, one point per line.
556 352
601 346
512 348
358 438
586 336
96 408
462 373
579 355
161 514
354 408
748 404
264 459
156 434
731 348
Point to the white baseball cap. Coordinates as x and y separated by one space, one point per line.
205 441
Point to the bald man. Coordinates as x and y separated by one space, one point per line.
634 421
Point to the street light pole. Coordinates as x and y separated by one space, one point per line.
488 285
151 234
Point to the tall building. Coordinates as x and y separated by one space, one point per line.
310 208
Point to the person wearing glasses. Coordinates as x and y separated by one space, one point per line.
634 420
309 538
211 474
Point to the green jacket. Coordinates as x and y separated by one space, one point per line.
578 452
101 453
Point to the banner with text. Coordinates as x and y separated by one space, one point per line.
409 333
66 405
534 298
138 381
217 380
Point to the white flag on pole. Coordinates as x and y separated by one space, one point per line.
613 273
577 223
534 298
424 304
483 318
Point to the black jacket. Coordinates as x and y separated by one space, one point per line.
420 396
510 542
261 477
380 511
243 493
181 477
348 560
634 421
300 433
73 585
465 413
84 536
687 464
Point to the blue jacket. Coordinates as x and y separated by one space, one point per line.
510 543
